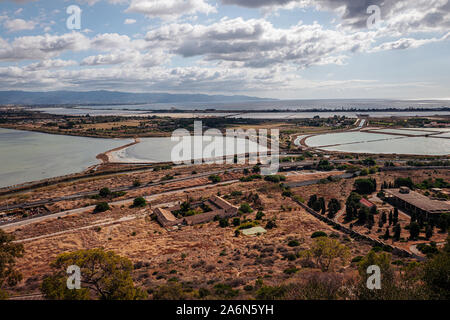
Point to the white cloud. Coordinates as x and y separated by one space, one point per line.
41 47
170 9
129 21
18 25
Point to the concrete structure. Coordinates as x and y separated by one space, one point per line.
220 208
366 203
254 231
417 203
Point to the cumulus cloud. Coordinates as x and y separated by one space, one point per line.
225 54
408 43
170 9
41 47
15 25
50 64
257 43
399 16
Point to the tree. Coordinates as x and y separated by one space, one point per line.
373 210
101 207
444 222
429 232
139 202
414 230
312 200
256 169
214 178
245 208
104 192
326 252
383 217
333 207
388 287
436 273
9 252
223 223
397 232
365 186
404 182
54 287
390 218
323 208
363 214
386 234
104 274
395 216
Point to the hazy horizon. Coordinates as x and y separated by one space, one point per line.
279 49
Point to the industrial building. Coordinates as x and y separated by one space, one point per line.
417 203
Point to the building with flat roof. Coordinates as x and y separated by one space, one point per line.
219 208
417 203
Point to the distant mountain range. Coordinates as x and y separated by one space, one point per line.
112 97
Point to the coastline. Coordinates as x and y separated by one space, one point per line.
109 157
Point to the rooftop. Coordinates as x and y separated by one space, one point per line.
420 201
366 203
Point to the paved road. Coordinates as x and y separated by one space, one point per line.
128 188
283 165
115 203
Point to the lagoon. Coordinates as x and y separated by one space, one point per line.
151 150
364 142
27 156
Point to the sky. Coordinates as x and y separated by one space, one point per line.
284 49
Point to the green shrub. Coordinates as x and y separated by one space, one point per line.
101 207
139 202
245 208
293 243
104 192
259 215
318 234
214 178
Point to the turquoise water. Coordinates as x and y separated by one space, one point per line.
29 156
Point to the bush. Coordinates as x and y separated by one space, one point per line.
104 192
223 223
245 208
291 270
287 193
101 207
236 222
275 178
225 291
250 178
271 224
259 215
247 225
318 234
293 243
136 183
270 293
365 186
214 178
139 202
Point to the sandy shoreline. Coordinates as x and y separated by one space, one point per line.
109 156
